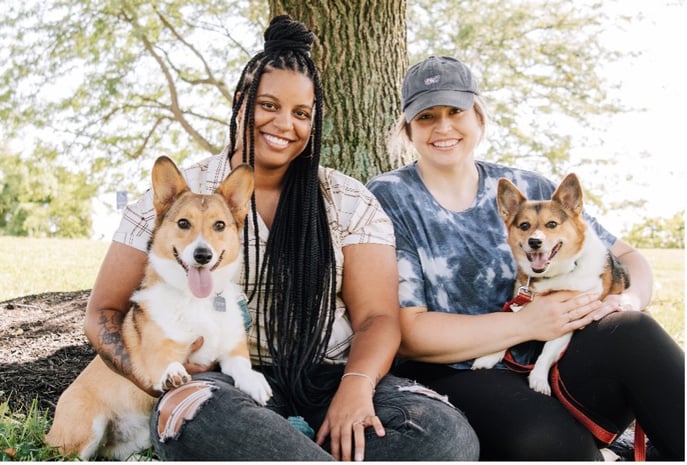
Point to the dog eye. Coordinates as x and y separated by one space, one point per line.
551 225
219 226
524 226
184 224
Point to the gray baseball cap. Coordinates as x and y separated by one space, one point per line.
436 81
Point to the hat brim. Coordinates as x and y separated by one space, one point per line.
448 98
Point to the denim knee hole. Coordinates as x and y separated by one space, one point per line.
181 405
420 389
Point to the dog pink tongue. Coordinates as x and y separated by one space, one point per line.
200 281
539 261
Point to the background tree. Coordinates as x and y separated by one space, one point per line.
537 63
658 233
117 82
112 84
39 200
361 53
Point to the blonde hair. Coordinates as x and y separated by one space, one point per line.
400 146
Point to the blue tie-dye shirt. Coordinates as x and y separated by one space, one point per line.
457 262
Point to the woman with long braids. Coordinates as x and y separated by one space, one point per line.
321 283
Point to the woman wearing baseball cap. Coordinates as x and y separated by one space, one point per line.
456 272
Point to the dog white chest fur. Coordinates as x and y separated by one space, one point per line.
581 274
217 318
555 250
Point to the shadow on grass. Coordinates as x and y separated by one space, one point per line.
44 379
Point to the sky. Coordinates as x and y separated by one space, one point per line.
649 143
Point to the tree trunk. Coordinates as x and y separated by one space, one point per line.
361 54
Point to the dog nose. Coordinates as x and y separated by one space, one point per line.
534 243
202 255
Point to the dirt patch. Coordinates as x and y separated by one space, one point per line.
42 347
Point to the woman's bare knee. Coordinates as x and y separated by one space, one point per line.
179 405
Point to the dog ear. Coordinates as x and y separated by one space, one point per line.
168 184
508 198
237 190
569 194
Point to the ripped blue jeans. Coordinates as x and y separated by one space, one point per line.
219 422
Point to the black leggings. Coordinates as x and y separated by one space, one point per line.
624 366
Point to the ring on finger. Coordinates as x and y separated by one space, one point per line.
358 422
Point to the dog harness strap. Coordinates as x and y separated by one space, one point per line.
523 297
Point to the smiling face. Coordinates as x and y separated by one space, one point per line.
445 136
284 108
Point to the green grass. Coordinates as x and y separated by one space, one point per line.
668 301
31 266
21 436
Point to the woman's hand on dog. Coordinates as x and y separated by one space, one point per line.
193 368
553 315
618 303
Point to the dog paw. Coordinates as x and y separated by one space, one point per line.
540 384
487 361
174 376
246 379
255 385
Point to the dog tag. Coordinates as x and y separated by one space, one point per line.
220 303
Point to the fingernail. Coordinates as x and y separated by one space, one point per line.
358 457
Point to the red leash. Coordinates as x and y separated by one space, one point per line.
525 296
640 443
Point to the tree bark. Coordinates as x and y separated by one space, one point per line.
361 53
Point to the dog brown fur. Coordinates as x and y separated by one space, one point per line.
555 250
194 255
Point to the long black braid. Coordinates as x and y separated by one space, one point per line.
298 274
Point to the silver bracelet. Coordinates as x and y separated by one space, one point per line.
362 375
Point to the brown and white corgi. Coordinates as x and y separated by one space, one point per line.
189 290
555 250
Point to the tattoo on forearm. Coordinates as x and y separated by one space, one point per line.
112 349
